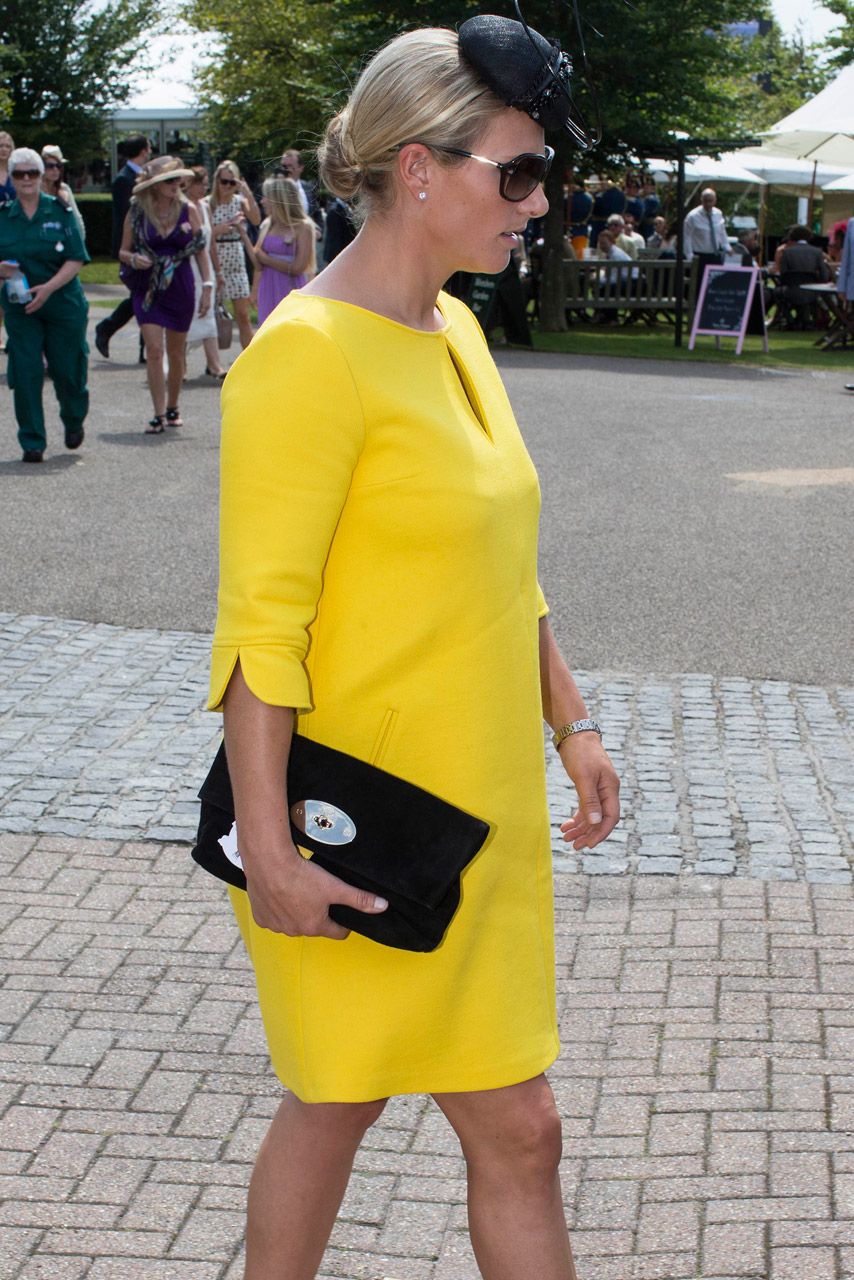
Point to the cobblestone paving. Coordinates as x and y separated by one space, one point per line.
705 1082
102 735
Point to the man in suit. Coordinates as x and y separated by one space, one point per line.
137 151
291 166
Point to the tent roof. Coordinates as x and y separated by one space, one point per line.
729 168
785 171
830 111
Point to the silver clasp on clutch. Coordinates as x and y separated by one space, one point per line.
323 822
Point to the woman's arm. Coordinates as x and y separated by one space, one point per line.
288 893
253 213
41 292
582 754
126 255
204 263
304 247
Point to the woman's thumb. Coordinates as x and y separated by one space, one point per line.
363 900
588 801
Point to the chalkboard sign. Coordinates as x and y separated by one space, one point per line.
500 300
482 298
723 307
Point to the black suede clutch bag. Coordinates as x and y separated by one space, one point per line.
366 826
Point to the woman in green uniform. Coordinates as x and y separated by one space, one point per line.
40 237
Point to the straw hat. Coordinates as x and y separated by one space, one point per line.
160 170
53 153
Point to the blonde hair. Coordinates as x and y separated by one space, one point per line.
418 87
147 202
283 206
216 197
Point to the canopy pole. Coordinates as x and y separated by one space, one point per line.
812 194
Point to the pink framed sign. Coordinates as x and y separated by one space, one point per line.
723 306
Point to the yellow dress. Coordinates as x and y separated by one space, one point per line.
378 573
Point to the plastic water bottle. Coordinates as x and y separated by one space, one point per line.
17 286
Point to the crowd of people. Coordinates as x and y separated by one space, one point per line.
196 255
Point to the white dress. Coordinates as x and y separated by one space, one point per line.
202 326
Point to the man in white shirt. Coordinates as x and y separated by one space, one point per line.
616 228
704 231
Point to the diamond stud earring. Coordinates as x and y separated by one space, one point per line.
422 195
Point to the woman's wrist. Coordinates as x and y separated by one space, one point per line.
207 284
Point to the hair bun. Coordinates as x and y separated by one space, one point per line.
340 169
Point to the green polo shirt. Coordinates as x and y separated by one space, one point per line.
42 243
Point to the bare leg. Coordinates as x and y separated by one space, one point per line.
153 337
299 1181
244 324
176 346
511 1140
212 355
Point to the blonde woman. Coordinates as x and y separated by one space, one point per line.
162 232
378 593
232 205
53 183
285 247
203 328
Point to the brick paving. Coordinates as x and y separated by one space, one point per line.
705 1082
705 976
102 734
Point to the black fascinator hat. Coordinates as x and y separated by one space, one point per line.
523 69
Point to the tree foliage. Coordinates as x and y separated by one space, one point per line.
840 43
66 63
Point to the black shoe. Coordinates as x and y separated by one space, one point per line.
102 342
849 386
74 439
33 455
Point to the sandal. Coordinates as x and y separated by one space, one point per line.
155 426
210 373
173 417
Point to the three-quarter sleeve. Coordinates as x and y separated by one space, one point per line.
292 432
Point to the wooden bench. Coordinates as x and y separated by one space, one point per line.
646 288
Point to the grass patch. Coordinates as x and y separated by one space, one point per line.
100 271
786 350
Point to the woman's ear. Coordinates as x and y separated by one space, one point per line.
415 166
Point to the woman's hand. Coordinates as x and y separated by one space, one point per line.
41 293
289 894
595 778
7 270
205 302
141 261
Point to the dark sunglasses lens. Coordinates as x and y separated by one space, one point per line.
25 173
525 175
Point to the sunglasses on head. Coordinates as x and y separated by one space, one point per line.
26 173
517 177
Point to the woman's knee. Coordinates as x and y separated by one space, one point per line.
525 1142
352 1118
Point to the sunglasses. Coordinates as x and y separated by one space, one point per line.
518 177
52 164
26 173
228 182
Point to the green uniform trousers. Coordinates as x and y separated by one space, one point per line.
57 333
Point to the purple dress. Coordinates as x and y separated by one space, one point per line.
172 307
275 285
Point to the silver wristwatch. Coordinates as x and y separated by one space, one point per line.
577 726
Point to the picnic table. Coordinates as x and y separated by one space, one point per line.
841 328
644 289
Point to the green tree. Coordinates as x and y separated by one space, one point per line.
273 75
840 43
66 63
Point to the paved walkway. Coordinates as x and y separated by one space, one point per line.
102 734
707 1018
